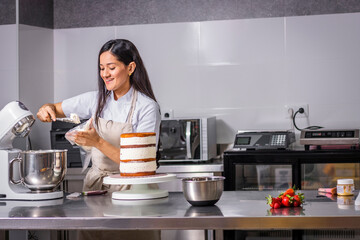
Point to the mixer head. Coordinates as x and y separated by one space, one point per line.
16 121
22 127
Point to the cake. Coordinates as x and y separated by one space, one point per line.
138 154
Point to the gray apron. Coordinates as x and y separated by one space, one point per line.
102 166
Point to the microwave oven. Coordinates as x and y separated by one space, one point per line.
187 139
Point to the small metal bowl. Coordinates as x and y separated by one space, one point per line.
203 191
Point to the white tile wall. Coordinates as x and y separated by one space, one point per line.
9 90
75 59
169 52
36 71
323 37
323 67
163 45
242 42
242 71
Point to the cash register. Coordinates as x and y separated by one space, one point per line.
263 140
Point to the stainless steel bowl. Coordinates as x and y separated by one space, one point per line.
203 191
42 170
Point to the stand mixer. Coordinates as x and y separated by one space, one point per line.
16 121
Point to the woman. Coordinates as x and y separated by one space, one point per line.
123 103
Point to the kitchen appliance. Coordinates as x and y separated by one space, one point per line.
187 139
263 140
330 139
16 121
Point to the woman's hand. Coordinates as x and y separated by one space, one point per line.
48 112
88 138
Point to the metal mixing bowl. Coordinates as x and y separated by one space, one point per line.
42 170
203 191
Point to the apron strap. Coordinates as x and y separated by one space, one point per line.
132 108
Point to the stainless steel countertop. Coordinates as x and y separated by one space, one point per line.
246 210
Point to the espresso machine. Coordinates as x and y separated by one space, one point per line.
35 179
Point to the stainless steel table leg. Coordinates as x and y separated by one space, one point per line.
65 185
209 234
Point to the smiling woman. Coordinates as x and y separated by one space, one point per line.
124 103
115 74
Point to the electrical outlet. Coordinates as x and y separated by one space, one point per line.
292 108
167 114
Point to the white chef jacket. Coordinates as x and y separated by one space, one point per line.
146 117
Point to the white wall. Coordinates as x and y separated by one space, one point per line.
242 71
36 70
9 89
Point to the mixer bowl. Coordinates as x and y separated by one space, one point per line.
43 170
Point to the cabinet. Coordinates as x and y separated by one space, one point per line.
244 170
74 181
277 170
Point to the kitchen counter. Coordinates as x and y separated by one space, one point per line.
245 210
234 160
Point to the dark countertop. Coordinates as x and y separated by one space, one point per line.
246 210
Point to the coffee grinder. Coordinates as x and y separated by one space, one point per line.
16 121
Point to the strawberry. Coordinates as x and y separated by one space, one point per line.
296 203
290 192
277 205
270 201
286 201
273 202
300 197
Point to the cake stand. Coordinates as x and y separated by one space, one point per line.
140 186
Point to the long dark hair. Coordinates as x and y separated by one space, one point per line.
125 52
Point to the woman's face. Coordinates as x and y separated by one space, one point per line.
115 74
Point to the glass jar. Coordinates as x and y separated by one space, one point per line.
345 187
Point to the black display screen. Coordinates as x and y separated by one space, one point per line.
243 140
330 134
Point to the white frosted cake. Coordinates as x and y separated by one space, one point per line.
138 154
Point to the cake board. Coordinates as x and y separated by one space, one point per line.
140 186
